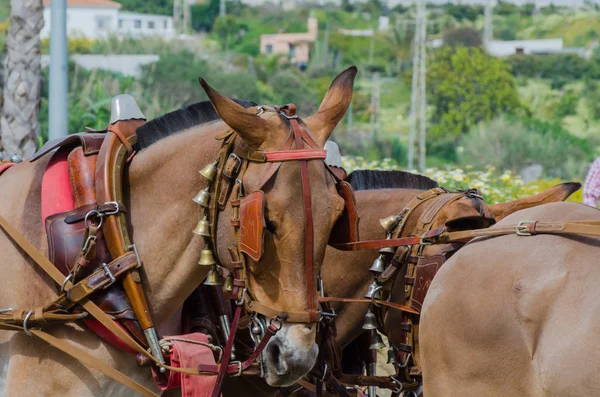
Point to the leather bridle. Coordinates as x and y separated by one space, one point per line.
304 151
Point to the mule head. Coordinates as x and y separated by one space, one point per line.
279 279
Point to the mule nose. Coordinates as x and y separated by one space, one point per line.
278 360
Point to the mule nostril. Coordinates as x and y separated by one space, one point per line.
274 352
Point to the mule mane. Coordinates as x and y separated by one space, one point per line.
375 179
179 120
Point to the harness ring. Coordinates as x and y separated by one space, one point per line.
25 328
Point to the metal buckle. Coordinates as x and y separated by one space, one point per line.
397 390
288 117
523 227
25 328
110 276
241 301
261 110
115 212
89 240
137 255
238 166
64 283
239 371
278 320
324 372
95 213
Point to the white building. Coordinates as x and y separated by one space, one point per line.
101 18
507 48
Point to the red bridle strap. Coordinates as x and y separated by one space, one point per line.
295 155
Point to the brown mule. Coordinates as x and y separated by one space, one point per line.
346 274
162 180
516 315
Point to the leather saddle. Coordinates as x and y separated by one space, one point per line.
66 231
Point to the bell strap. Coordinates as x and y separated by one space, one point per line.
374 301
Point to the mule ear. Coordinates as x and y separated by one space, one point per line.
333 107
253 129
557 193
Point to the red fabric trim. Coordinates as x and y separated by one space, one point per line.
188 355
5 166
56 186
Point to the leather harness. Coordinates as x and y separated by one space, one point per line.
116 148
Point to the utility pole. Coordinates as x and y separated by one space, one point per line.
418 100
375 89
422 91
187 16
488 27
177 15
222 8
58 99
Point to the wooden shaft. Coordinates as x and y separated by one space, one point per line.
109 187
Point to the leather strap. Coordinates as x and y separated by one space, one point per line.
375 301
394 242
308 226
227 353
298 154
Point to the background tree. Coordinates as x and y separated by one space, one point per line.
19 124
226 28
468 86
465 36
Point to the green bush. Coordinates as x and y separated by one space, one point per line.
552 66
509 145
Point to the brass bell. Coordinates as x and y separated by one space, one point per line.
389 223
391 356
374 291
203 227
387 250
214 277
209 171
370 321
378 266
202 198
376 341
207 258
228 284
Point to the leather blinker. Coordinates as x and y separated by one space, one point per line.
252 225
345 229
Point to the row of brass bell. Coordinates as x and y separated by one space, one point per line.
209 172
374 291
214 277
203 197
370 320
203 227
207 258
389 223
378 266
376 341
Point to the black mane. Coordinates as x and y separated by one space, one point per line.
179 120
375 179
